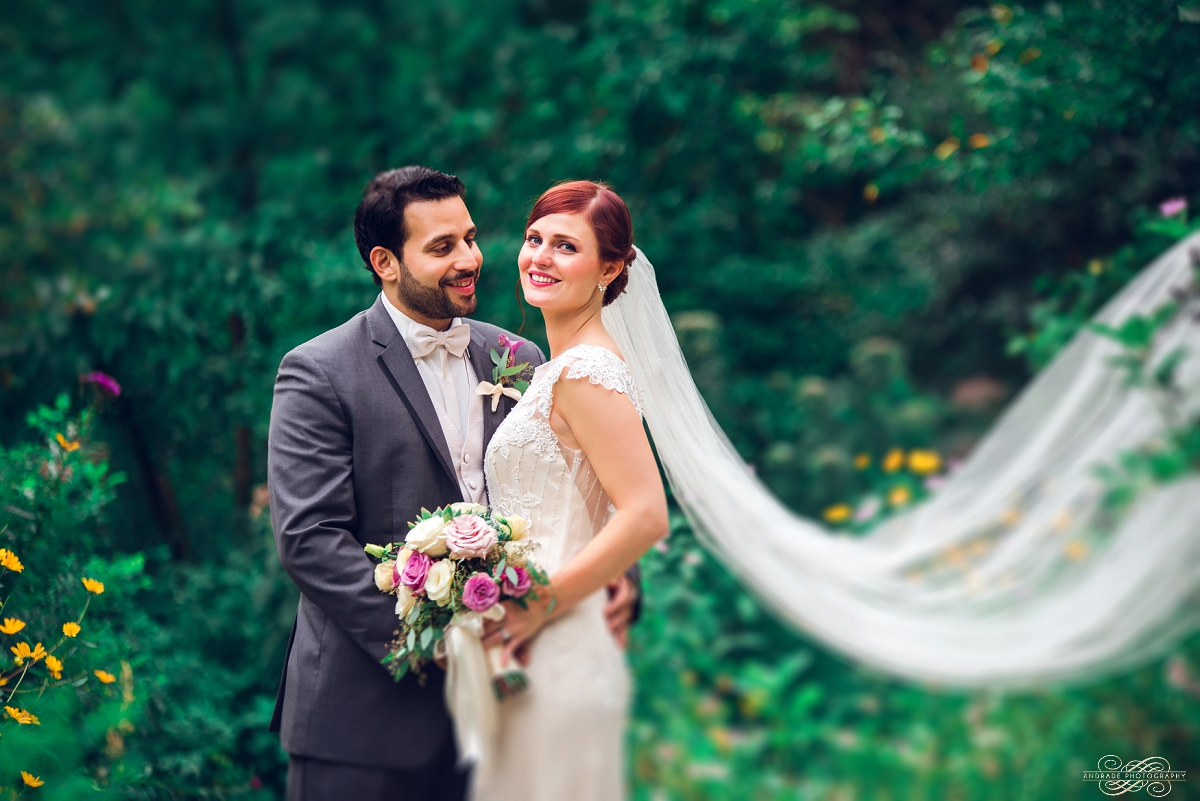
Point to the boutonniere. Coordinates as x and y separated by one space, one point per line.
508 377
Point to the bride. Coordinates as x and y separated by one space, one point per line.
573 458
1016 572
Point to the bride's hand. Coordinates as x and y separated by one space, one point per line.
517 628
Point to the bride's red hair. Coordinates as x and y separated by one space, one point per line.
605 212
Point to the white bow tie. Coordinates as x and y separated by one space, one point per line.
424 339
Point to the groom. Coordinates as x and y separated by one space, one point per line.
371 422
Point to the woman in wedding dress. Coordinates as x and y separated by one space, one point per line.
574 460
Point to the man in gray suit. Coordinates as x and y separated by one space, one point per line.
371 422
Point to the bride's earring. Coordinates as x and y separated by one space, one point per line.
600 287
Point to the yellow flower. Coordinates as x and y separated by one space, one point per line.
11 625
893 461
104 676
862 461
30 779
66 446
22 717
9 560
70 629
924 462
21 652
1095 266
93 586
946 149
898 496
870 193
877 135
993 47
838 514
55 666
1002 13
1075 550
1029 55
978 140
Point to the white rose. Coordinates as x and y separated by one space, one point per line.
438 581
383 575
517 527
428 537
405 601
402 558
464 508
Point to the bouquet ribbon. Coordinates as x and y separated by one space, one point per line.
496 390
469 695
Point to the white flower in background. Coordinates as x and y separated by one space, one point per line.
516 527
465 508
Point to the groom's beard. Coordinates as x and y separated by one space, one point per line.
436 303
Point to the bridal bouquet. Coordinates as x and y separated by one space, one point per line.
451 572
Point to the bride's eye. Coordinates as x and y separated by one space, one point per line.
570 248
533 239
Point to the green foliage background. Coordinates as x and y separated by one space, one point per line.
870 219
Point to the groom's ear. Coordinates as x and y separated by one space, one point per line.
385 264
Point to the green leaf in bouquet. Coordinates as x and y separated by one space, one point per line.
411 640
513 578
500 568
377 551
426 639
413 614
401 670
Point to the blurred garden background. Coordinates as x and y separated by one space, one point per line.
872 220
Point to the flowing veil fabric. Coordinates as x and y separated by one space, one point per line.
1011 574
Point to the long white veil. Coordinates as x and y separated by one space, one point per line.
1006 577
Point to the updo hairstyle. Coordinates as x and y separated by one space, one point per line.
605 212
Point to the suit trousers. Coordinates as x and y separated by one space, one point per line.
318 780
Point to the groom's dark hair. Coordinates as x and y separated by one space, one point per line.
379 221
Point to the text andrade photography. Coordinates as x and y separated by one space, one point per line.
1153 774
449 576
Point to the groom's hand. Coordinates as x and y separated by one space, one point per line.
618 612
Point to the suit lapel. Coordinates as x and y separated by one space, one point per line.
479 353
397 364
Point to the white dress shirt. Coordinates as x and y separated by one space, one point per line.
451 383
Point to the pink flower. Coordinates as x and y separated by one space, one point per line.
523 584
415 571
1175 205
469 536
480 593
104 381
512 345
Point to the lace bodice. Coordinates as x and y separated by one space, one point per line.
531 473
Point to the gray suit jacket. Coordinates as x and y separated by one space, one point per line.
355 451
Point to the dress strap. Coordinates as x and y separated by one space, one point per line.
597 364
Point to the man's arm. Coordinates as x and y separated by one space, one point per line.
310 470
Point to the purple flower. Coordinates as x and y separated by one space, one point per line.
523 584
1175 205
104 381
512 345
480 593
415 571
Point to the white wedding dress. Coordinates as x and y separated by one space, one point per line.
562 739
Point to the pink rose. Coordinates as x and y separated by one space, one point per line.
524 582
480 593
415 571
469 536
